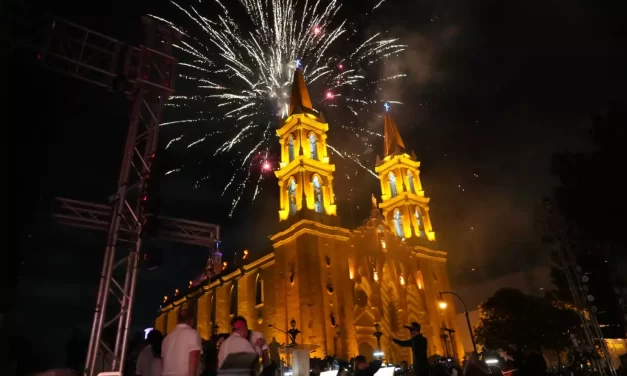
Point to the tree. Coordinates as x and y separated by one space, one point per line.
510 317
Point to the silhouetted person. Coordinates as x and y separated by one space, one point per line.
275 355
418 344
76 350
362 368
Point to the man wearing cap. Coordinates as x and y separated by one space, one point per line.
237 342
418 344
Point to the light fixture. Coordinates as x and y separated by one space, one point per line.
442 304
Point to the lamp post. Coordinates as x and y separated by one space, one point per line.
377 333
443 305
293 332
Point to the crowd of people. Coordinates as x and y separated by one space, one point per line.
245 352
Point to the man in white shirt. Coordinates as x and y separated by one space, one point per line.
237 341
181 348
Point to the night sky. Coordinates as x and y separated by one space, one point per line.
493 90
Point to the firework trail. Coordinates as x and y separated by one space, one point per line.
238 71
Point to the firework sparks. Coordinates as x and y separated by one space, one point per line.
238 73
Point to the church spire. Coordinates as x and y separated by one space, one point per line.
300 101
393 143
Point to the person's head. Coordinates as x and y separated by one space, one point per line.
414 329
185 317
154 339
239 325
404 366
360 363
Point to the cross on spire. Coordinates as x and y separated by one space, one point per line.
387 106
298 63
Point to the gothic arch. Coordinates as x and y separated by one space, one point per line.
259 295
313 145
411 183
233 301
318 194
393 184
419 221
292 196
291 152
398 223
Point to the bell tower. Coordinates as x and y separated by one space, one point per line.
305 175
403 202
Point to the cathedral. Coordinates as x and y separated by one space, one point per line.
348 291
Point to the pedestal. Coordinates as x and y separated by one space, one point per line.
300 362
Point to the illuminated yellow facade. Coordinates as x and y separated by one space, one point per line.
337 283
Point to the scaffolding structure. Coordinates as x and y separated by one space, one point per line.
146 75
558 231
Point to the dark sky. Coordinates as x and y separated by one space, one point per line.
493 90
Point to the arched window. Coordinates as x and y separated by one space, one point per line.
233 306
317 187
313 145
421 228
213 308
392 180
398 223
291 193
259 291
410 180
290 147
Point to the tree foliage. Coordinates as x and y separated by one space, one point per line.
510 317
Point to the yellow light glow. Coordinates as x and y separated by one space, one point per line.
191 283
245 254
383 245
442 304
225 264
165 298
176 292
401 280
375 276
351 274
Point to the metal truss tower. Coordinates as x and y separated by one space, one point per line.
146 75
558 230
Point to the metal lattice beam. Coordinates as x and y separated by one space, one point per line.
146 75
87 215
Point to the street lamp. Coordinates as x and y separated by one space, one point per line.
443 306
377 333
293 332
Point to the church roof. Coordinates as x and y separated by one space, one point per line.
393 143
300 101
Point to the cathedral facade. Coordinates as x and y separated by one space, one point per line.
338 286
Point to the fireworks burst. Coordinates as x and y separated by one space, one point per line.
239 71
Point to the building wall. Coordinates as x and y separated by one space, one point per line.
328 285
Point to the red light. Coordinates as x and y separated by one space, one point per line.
38 57
144 198
266 166
329 95
316 30
340 66
153 155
